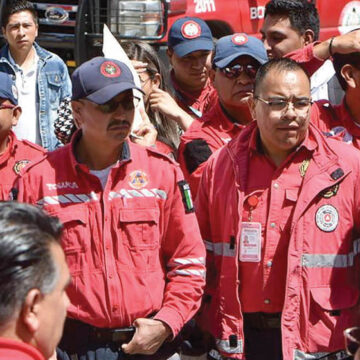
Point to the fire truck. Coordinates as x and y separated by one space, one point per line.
73 29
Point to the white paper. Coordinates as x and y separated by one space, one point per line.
113 50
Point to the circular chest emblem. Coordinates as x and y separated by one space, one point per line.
19 165
110 69
327 218
349 17
138 179
239 39
190 30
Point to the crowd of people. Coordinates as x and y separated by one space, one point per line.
226 226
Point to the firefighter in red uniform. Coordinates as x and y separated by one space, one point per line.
131 238
190 46
236 60
342 121
14 153
279 210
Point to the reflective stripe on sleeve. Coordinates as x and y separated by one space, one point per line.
340 355
188 261
224 345
187 272
222 249
331 260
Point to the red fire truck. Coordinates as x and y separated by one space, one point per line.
74 28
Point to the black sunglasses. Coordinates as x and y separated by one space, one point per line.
128 103
234 72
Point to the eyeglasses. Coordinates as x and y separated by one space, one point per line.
128 104
5 106
299 104
234 72
352 340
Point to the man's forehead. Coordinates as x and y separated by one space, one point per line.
21 17
276 23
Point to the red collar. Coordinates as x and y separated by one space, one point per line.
17 350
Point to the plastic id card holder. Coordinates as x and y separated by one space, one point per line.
250 242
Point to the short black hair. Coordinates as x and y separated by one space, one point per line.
302 14
26 262
282 64
339 60
14 6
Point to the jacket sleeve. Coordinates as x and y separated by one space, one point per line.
305 57
184 257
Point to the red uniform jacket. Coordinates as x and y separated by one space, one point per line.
322 281
18 154
134 249
203 138
336 121
16 350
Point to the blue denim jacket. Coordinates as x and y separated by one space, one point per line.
53 85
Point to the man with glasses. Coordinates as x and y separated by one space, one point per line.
236 60
14 153
131 238
279 209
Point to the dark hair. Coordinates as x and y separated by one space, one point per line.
302 14
282 64
339 60
14 6
26 233
142 51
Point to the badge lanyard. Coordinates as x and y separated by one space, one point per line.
250 237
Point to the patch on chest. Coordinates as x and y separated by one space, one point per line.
19 165
327 218
138 179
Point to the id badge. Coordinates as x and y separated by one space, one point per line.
250 242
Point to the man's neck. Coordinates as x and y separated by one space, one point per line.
23 59
97 157
4 142
238 114
353 106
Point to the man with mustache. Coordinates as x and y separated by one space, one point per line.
279 210
190 46
131 238
236 60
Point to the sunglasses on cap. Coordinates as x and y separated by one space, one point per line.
352 340
234 72
129 103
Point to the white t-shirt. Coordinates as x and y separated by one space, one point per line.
320 79
28 125
102 175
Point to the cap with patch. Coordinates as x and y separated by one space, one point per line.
190 34
100 79
230 47
8 89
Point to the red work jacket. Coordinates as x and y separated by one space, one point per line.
336 121
134 248
203 138
322 281
16 350
17 155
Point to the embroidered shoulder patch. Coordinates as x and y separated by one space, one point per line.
186 196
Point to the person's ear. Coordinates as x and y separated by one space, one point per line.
156 81
31 310
76 112
16 115
169 53
212 73
252 104
347 72
308 37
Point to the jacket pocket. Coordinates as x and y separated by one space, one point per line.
74 237
54 81
140 227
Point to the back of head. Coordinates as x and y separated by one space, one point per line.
302 14
339 60
15 6
280 65
26 234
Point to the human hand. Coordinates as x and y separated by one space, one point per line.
149 336
146 135
164 103
347 43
